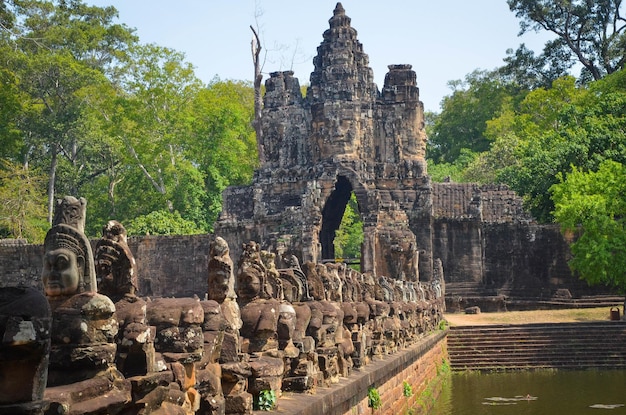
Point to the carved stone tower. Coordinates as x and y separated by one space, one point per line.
344 137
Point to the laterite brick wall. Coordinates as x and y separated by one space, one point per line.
422 374
417 364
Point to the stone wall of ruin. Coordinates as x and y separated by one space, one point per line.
485 238
167 266
516 259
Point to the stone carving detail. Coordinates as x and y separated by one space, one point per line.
221 373
221 281
24 350
298 327
117 279
115 263
84 328
68 262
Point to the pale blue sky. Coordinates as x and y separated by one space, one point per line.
443 40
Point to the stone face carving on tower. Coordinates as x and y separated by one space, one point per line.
343 137
342 93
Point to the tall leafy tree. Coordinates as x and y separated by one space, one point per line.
11 110
529 71
223 143
591 32
592 204
149 123
554 129
462 121
128 126
349 236
58 51
22 208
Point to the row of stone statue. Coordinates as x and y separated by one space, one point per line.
93 345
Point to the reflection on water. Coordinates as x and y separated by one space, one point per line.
499 400
547 392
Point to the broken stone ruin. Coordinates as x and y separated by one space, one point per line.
73 350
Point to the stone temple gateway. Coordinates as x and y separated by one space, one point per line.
345 136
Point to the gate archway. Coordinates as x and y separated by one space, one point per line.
332 213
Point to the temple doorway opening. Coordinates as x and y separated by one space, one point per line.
341 235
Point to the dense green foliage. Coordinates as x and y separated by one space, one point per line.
558 141
22 203
162 222
373 398
126 125
592 203
349 236
591 33
462 122
266 400
555 129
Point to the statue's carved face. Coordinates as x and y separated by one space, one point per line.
220 283
249 285
71 211
62 272
286 322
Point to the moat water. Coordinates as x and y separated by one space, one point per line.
534 392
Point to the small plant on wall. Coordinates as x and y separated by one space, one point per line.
407 389
373 398
266 401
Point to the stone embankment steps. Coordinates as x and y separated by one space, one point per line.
535 346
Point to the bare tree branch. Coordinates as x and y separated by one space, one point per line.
258 99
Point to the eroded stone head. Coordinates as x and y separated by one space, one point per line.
68 266
115 263
221 280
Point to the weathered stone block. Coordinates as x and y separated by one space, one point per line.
142 385
304 368
209 380
298 383
265 366
230 348
212 405
169 398
273 383
179 339
235 371
240 403
213 317
167 312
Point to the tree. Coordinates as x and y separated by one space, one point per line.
222 143
255 47
464 114
591 32
22 203
11 110
58 51
349 236
151 121
528 71
162 222
592 204
553 130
